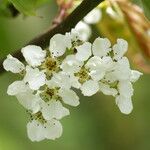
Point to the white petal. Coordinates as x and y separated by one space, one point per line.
75 81
83 51
101 47
58 44
62 80
13 64
98 66
94 63
53 129
54 109
29 101
135 75
17 87
93 17
74 35
71 65
35 131
34 78
97 75
107 63
107 90
84 30
69 97
120 48
89 88
125 88
124 104
33 55
122 69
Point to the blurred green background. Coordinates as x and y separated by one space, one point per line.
96 124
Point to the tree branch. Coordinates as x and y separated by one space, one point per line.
43 40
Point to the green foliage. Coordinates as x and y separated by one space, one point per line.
145 5
28 7
4 11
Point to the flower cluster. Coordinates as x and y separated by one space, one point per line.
50 76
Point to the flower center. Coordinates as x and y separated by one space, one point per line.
51 65
83 75
38 116
49 94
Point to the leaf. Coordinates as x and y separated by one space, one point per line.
145 5
4 11
28 7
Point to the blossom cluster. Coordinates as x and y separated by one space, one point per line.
50 76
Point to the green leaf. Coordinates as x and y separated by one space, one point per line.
28 7
145 5
4 11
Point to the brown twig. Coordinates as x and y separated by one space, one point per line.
65 26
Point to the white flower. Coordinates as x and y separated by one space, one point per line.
135 75
120 49
59 44
71 65
83 51
53 109
47 81
101 47
68 96
13 64
34 77
107 90
89 88
50 130
33 55
84 30
93 17
124 104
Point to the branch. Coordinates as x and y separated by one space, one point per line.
43 40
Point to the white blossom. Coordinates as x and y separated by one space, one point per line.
48 80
